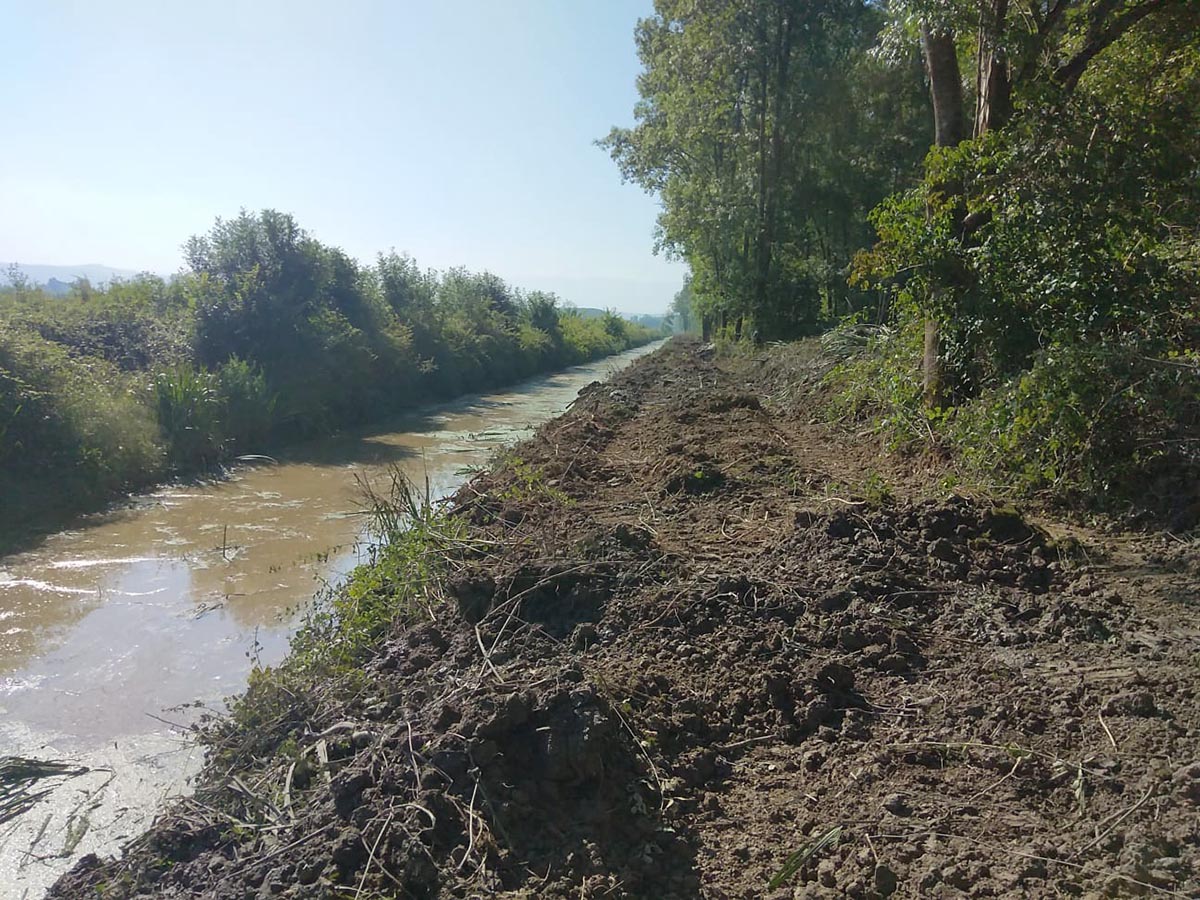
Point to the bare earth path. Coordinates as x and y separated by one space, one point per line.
708 647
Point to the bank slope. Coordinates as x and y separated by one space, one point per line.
688 642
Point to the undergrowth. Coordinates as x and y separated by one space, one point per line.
270 337
1113 426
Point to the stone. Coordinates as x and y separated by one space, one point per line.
886 881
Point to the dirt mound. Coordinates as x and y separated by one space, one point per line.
685 653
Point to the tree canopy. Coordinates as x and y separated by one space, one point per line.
268 336
769 130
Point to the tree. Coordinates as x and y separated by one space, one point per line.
945 88
758 127
1024 55
680 315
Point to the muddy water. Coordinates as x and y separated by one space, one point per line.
107 629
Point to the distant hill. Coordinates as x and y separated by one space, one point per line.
53 276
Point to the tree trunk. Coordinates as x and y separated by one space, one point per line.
993 106
945 87
1103 30
772 175
931 364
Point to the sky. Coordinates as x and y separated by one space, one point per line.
458 132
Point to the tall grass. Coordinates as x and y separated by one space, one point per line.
401 584
187 405
247 406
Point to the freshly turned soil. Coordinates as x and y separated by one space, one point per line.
697 634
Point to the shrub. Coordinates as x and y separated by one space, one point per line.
247 406
1106 422
271 336
74 417
880 381
1059 258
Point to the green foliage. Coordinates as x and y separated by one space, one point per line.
247 406
134 324
77 419
682 317
876 490
1059 256
202 416
1052 258
614 325
272 335
1080 241
882 384
1100 421
587 339
529 483
768 131
398 586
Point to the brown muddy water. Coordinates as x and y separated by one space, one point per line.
114 630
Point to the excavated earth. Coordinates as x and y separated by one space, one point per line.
698 643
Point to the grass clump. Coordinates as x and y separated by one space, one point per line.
401 583
398 586
186 405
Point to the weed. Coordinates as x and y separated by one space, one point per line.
796 861
876 490
398 585
531 483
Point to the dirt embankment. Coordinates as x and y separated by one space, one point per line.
701 646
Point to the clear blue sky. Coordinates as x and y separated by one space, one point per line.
459 132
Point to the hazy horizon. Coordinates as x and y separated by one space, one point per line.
460 136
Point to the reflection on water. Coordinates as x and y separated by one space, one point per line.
166 602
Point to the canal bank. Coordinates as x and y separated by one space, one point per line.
692 640
115 629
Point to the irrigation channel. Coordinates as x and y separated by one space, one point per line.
116 632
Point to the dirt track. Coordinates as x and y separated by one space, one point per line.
708 635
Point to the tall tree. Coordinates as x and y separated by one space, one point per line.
945 87
739 102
